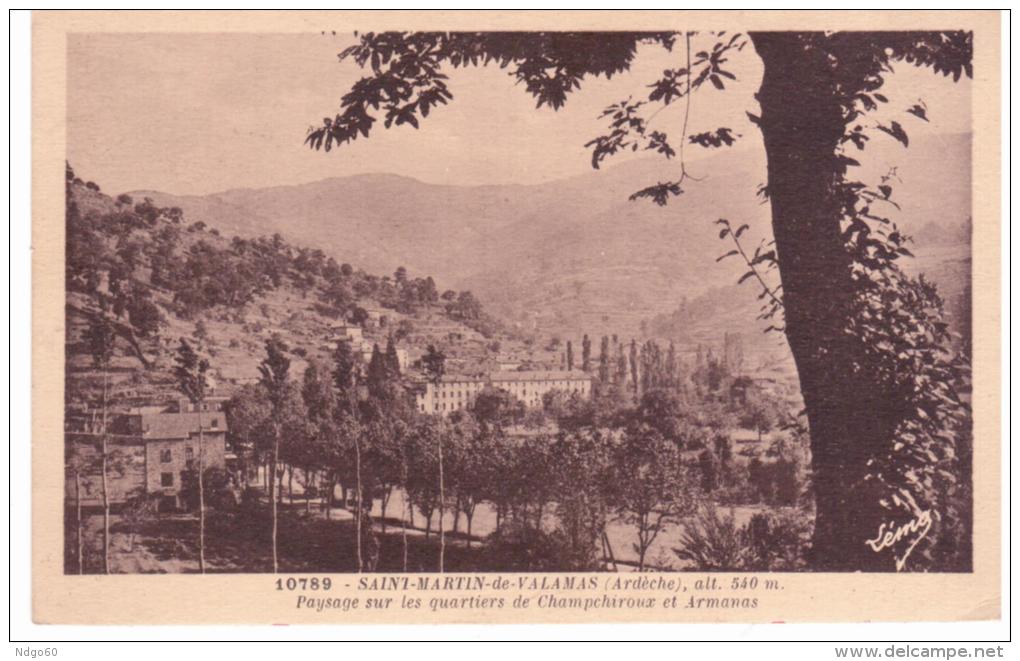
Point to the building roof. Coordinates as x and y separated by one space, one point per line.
159 426
463 378
541 375
516 376
741 435
148 409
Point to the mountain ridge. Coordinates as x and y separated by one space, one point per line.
520 246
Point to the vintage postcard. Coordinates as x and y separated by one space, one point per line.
498 317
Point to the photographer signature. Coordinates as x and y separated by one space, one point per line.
889 534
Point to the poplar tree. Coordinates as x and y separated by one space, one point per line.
604 368
346 378
274 378
190 372
634 366
101 340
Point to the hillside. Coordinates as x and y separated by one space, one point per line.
575 255
159 276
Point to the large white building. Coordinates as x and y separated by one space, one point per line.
530 386
455 392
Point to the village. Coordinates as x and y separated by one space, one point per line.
157 442
153 447
240 404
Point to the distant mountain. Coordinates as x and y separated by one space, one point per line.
575 255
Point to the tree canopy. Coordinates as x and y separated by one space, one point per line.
879 378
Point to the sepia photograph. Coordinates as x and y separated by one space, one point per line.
542 305
725 327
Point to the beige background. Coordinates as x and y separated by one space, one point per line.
252 598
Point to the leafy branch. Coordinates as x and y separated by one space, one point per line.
753 262
628 130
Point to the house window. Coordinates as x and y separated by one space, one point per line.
165 456
166 479
189 452
215 423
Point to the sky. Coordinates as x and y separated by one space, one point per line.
201 113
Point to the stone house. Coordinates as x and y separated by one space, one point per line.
148 453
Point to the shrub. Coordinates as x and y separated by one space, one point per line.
713 542
776 541
709 467
251 507
776 482
219 491
519 547
771 541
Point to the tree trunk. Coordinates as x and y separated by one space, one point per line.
78 535
106 492
406 502
272 494
308 484
201 494
357 514
403 540
802 125
442 509
290 483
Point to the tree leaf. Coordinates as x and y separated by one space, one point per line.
918 111
896 130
